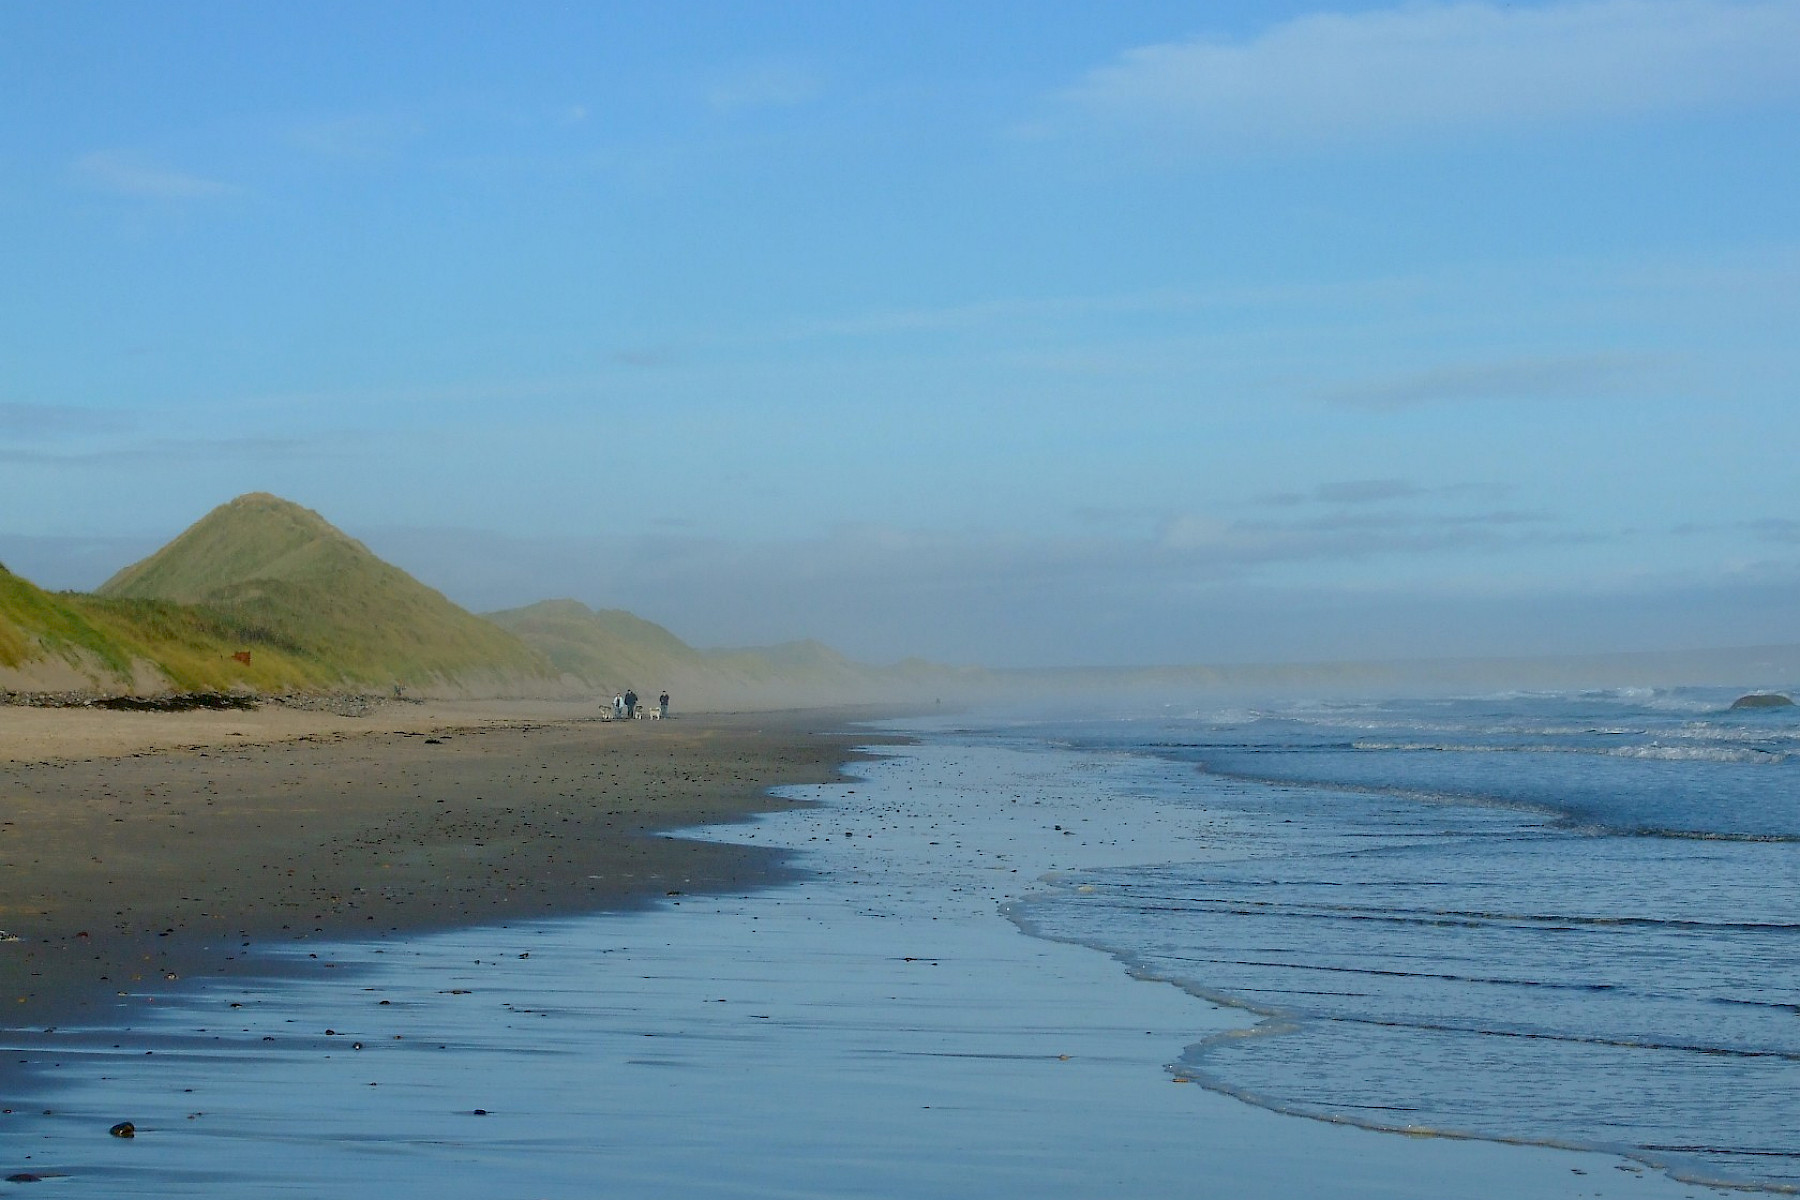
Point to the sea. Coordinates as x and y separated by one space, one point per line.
1570 919
1553 937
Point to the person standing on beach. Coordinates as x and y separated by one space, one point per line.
630 703
619 705
662 704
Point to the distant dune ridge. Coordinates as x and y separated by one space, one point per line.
264 596
611 650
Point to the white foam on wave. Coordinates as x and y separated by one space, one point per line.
1718 754
1656 751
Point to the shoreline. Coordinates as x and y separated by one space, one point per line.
181 843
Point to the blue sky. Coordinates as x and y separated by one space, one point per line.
1009 333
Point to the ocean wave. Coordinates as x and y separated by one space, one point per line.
1657 751
1687 835
1304 910
1733 754
1710 731
1467 975
1729 1166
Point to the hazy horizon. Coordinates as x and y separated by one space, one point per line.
1276 332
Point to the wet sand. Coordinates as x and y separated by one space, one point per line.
131 865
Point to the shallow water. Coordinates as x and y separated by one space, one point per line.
1562 919
879 1030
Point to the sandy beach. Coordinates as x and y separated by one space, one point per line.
158 847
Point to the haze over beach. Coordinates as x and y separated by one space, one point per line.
1252 546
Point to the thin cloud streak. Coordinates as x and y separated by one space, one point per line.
1517 379
129 175
1381 491
168 450
1225 546
1367 491
35 422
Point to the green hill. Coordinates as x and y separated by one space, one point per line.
283 577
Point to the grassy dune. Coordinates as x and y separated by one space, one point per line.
312 607
115 641
282 575
35 623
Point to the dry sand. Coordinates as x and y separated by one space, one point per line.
150 846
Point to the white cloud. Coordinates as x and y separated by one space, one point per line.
130 175
1451 67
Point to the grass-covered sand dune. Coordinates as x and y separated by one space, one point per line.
273 566
310 606
63 641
